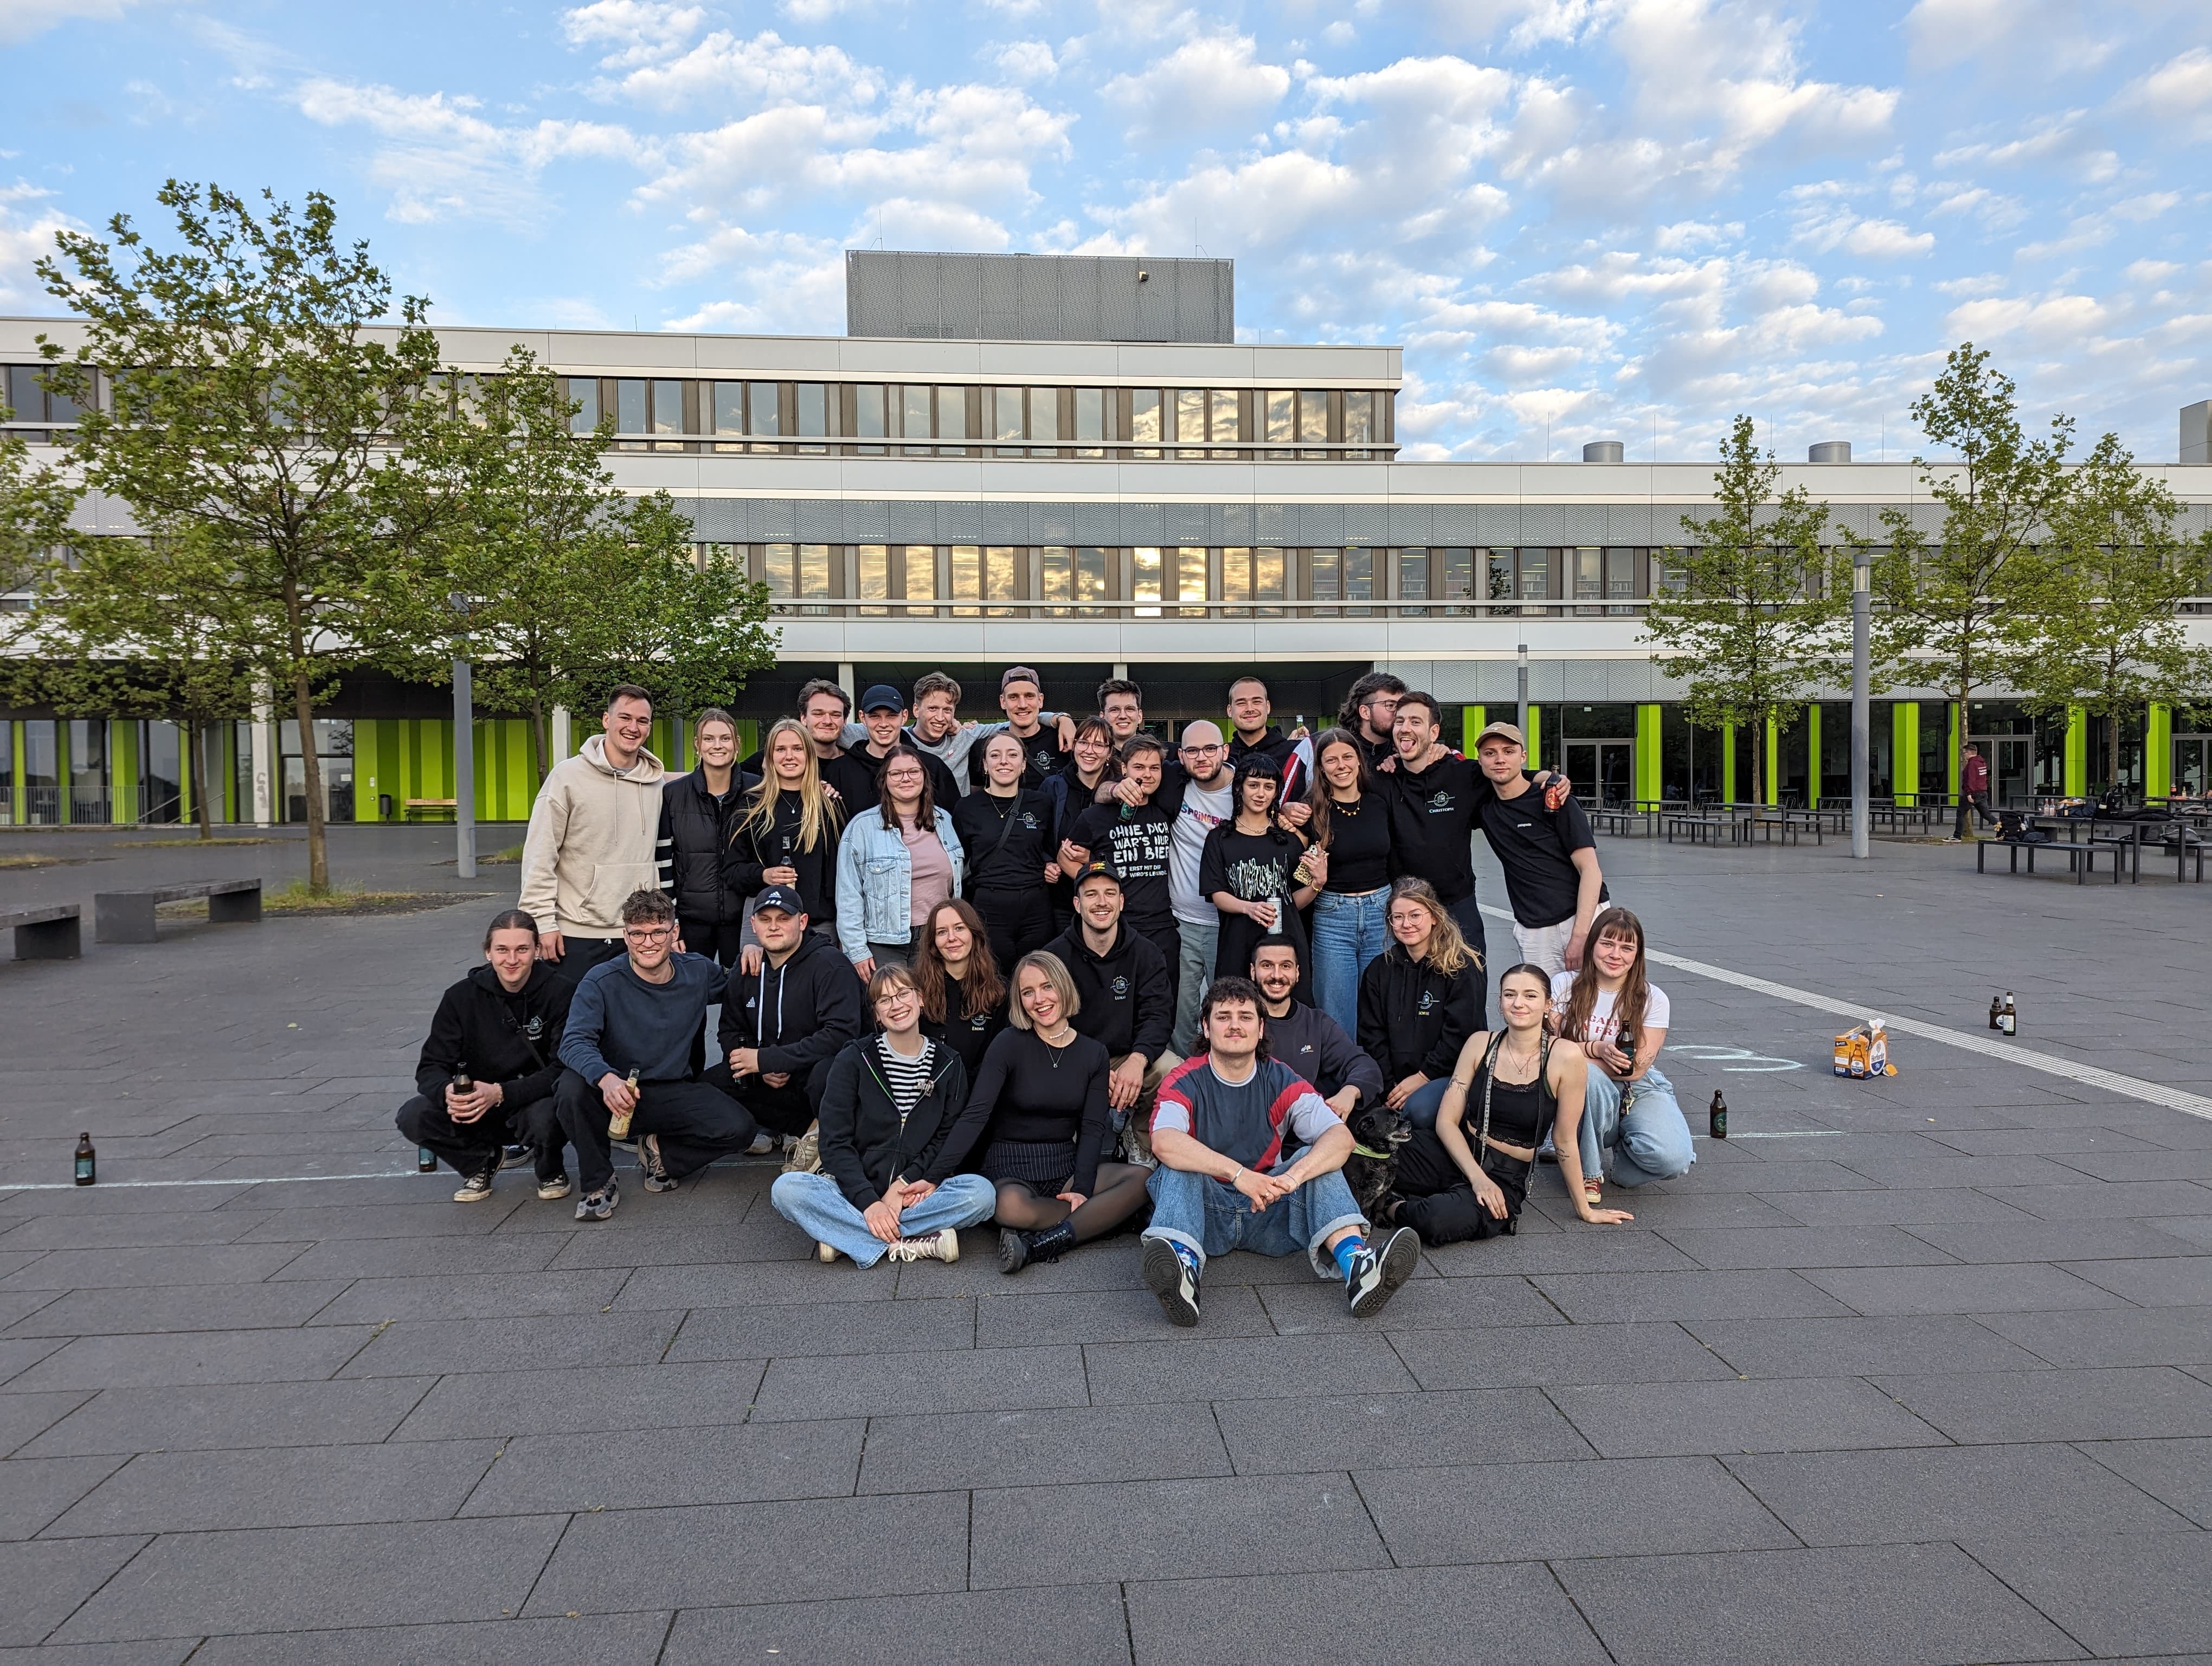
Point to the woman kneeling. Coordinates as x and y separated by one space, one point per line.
1039 1110
888 1185
1632 1129
1467 1177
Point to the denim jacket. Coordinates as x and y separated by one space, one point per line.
873 885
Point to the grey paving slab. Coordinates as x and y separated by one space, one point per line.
2142 1163
560 1399
604 1639
1768 1175
794 1550
742 1284
1422 1305
1631 1297
2107 1200
2171 1281
1503 1512
169 1652
2065 1241
276 1580
1832 1607
471 1295
129 1231
1985 1172
2190 1229
1395 1430
2132 1593
1885 1208
2175 1472
1805 1246
1025 1538
1854 1347
24 1417
650 1468
378 1220
1084 1624
971 1380
2009 1288
33 1492
786 1329
1424 1613
1791 1415
247 1415
191 1264
399 1258
18 1356
1199 1367
285 1486
945 1451
2113 1336
1954 1493
1518 1357
43 1581
197 1357
1127 1313
149 1310
2006 1142
1628 1251
2125 1403
416 1348
651 1245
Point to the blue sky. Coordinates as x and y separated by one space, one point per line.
1582 218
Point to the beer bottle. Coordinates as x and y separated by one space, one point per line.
463 1083
87 1161
1996 1009
1716 1117
1625 1041
618 1123
2008 1017
426 1161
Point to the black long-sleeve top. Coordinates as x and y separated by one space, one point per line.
1031 841
753 850
1036 1095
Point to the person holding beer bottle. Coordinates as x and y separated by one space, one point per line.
1618 1017
1256 870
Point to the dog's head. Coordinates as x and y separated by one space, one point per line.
1379 1128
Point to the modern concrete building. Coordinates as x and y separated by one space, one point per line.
1073 463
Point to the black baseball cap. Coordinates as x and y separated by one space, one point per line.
1100 869
883 698
779 897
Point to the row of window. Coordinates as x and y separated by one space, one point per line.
72 770
930 578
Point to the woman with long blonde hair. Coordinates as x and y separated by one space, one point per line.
788 832
1419 999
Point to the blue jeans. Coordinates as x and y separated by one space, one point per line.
1193 971
1643 1129
812 1203
1348 932
1423 1105
1213 1218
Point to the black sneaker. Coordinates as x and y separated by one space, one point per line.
516 1154
656 1172
1376 1273
553 1186
599 1205
474 1189
1168 1277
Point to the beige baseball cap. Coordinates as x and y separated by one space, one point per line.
1508 730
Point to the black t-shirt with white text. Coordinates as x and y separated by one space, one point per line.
1137 839
1535 848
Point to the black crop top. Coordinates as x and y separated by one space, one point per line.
1521 1113
1358 845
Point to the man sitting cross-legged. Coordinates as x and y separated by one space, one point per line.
783 1020
498 1027
1219 1130
1312 1043
633 1021
888 1102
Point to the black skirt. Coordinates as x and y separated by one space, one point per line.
1048 1165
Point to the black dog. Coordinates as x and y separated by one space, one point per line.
1371 1171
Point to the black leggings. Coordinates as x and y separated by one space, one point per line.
1121 1194
1016 922
1438 1201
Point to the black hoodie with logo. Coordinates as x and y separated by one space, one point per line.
796 1014
1412 1017
1124 1001
864 1142
510 1039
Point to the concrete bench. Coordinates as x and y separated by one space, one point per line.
1708 828
127 916
52 933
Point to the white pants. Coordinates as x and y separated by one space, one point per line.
1545 945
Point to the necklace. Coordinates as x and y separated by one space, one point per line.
1504 1057
1053 1044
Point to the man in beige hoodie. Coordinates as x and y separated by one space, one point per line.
591 839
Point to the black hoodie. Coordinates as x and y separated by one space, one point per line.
1123 999
796 1014
1314 1046
510 1039
1288 759
694 833
865 1140
1412 1017
752 849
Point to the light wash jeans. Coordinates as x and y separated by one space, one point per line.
1348 932
1195 971
1645 1129
1213 1218
812 1203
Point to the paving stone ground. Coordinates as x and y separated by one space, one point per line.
1913 1371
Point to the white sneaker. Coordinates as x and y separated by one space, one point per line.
764 1143
826 1254
941 1245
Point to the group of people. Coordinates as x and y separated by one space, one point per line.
1045 972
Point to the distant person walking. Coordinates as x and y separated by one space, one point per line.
1973 791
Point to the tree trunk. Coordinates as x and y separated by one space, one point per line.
537 739
198 738
2113 756
1758 759
311 766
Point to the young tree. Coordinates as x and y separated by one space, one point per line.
1954 600
2098 623
1754 615
555 585
253 413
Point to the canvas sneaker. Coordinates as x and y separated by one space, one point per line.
941 1245
1169 1277
600 1204
553 1186
657 1177
1376 1273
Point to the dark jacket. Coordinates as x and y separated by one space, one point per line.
695 832
1275 745
1433 816
1412 1017
1314 1046
752 849
1124 999
864 1142
796 1014
856 779
513 1040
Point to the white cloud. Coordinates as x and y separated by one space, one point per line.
2058 321
1026 61
639 31
28 219
1211 83
2178 92
1872 240
2150 271
22 20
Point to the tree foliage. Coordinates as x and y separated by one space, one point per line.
1752 618
258 417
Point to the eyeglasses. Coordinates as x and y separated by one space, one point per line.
1201 752
650 934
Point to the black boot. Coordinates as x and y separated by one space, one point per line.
1017 1250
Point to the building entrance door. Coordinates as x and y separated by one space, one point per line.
2012 768
1603 771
